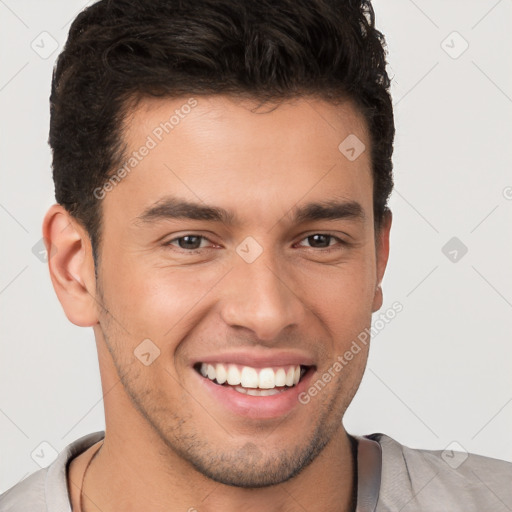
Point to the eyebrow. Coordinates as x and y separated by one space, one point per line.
170 207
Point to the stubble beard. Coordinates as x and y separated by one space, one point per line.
250 466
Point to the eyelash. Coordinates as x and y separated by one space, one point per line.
196 251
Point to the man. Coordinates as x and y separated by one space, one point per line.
222 171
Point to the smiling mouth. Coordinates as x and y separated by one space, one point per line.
254 381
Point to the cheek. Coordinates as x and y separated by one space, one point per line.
344 293
159 302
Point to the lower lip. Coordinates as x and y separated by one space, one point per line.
257 407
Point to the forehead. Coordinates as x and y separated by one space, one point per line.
239 117
242 155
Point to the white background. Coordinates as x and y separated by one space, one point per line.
439 372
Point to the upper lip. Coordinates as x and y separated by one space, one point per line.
257 359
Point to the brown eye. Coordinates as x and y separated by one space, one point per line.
322 240
187 242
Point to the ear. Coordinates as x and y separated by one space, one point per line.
382 254
71 265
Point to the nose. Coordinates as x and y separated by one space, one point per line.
259 296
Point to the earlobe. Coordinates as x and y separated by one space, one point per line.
382 255
71 266
378 299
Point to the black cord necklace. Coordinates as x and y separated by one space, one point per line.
83 478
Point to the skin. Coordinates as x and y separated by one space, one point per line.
169 445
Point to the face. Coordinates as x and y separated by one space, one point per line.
239 257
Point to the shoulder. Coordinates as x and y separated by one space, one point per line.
436 480
26 495
46 490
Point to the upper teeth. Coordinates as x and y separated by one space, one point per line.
248 377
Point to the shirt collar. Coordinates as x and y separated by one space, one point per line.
369 463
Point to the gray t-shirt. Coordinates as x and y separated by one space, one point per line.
390 477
